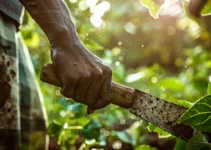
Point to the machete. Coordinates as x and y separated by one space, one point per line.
152 109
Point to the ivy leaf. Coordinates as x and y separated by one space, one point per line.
209 89
92 130
153 7
199 115
198 142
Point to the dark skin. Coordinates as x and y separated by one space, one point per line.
85 77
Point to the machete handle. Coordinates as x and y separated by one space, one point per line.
123 95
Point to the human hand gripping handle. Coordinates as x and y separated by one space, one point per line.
84 77
122 95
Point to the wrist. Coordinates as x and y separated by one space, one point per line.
65 38
72 47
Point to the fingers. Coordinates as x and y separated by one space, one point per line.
93 91
91 87
106 94
69 87
100 92
81 91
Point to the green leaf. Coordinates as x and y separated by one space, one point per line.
78 109
145 147
180 144
124 136
54 129
207 9
92 130
92 45
200 83
65 103
181 102
177 84
153 7
199 115
209 89
161 133
135 131
198 142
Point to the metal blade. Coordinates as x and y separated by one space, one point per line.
161 113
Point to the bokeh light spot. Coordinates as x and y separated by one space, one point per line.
117 145
73 1
154 79
171 30
130 28
119 43
116 51
96 21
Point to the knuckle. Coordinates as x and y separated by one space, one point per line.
98 72
87 75
107 70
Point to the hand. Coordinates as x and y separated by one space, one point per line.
84 76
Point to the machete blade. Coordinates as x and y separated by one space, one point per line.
161 113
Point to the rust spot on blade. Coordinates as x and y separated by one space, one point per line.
161 113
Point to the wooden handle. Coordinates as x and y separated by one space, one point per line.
123 95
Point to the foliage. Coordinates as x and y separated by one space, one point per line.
209 89
207 9
92 130
145 147
199 115
153 7
168 57
161 133
198 142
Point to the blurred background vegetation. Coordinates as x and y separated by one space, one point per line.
168 57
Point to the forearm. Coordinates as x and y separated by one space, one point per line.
54 19
84 77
